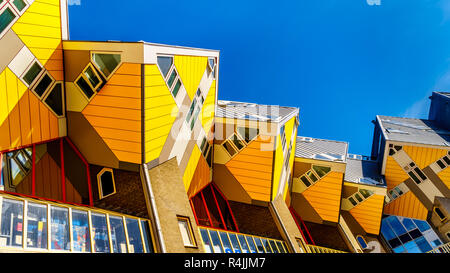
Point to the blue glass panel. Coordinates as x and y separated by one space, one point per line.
423 226
386 230
206 242
436 243
361 242
411 247
80 231
399 249
423 245
396 225
408 223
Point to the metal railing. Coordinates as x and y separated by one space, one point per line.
321 249
441 249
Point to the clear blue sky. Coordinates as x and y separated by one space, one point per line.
340 61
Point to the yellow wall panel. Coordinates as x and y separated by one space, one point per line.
207 114
325 196
191 167
191 70
394 174
252 168
368 213
278 166
424 156
40 28
444 175
160 112
407 205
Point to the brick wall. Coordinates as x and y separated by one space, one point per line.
129 197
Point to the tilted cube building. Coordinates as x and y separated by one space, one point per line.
125 147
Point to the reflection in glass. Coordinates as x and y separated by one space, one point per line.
147 236
80 231
60 238
274 246
100 231
215 241
206 242
259 245
235 243
106 62
266 245
118 238
37 226
251 244
225 242
281 247
11 225
134 236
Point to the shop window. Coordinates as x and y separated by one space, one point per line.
100 233
206 241
186 231
134 236
80 231
212 209
106 63
439 213
60 229
11 232
225 242
36 226
6 18
43 84
146 233
251 244
234 243
119 241
106 185
32 73
55 99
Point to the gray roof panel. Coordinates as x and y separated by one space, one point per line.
363 172
321 149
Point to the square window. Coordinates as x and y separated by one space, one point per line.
32 73
106 184
186 231
43 84
6 18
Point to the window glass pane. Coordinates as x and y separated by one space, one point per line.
251 244
230 149
446 159
119 241
420 173
85 87
32 73
164 64
387 232
411 247
311 176
321 171
365 193
183 224
60 238
436 243
415 233
361 242
237 142
396 225
394 242
234 243
305 181
176 88
200 210
194 119
215 241
6 18
280 247
408 223
354 203
100 232
54 99
441 164
422 225
212 208
414 177
274 246
147 236
80 231
172 77
399 249
37 226
107 183
243 242
225 242
12 224
134 236
266 245
43 84
259 245
20 4
358 197
90 75
423 245
106 62
206 242
226 212
439 213
405 238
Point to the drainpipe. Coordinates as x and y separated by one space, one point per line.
283 227
153 207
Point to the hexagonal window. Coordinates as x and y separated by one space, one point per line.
106 184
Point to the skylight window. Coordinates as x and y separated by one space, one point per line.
328 156
391 130
369 180
406 124
305 139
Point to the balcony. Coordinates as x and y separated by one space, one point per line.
320 249
34 225
221 241
441 249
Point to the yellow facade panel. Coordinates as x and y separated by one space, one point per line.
394 174
191 167
112 112
407 205
191 70
208 110
368 213
424 156
444 175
